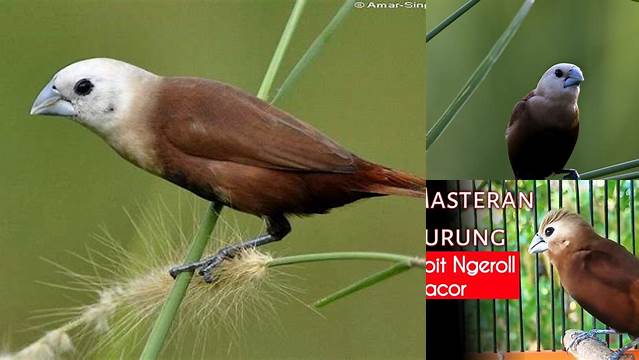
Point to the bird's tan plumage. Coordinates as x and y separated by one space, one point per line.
601 275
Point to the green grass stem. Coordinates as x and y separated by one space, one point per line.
478 75
362 284
633 175
609 170
346 255
163 323
401 264
450 19
280 50
315 48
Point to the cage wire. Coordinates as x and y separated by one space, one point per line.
538 320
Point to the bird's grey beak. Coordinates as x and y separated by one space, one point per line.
574 77
51 102
537 245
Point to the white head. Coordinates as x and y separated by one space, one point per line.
94 92
560 82
559 230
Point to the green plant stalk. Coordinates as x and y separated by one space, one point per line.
627 176
280 50
362 284
478 75
347 255
402 263
315 48
450 19
169 310
608 170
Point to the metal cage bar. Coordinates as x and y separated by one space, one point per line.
535 322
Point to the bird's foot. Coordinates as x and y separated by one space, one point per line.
591 334
207 265
571 174
619 354
278 227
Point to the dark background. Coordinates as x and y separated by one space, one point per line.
444 319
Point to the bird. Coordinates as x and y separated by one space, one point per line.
219 142
600 274
544 125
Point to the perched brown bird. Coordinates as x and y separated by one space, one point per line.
601 275
219 142
543 128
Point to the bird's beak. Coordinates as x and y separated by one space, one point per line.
537 245
51 102
574 78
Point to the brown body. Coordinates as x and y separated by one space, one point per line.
604 279
219 142
601 275
226 145
541 138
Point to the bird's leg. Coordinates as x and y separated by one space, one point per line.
619 353
592 334
572 174
277 228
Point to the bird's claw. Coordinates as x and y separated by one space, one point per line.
205 266
206 270
592 334
619 354
571 174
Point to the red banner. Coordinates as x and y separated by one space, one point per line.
472 275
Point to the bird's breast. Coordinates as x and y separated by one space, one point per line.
136 143
553 114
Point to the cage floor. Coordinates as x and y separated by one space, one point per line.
532 355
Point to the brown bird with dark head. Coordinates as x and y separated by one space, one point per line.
543 127
601 275
219 142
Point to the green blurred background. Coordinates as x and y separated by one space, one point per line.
60 184
596 35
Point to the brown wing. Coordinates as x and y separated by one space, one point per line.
606 284
612 264
519 111
216 121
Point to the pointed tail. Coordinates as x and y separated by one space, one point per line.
385 181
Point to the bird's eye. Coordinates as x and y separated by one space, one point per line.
559 73
83 87
549 231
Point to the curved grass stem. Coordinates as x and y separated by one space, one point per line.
362 284
401 264
449 20
280 50
315 48
478 75
609 170
346 255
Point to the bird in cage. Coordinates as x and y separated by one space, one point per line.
600 274
544 125
220 143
